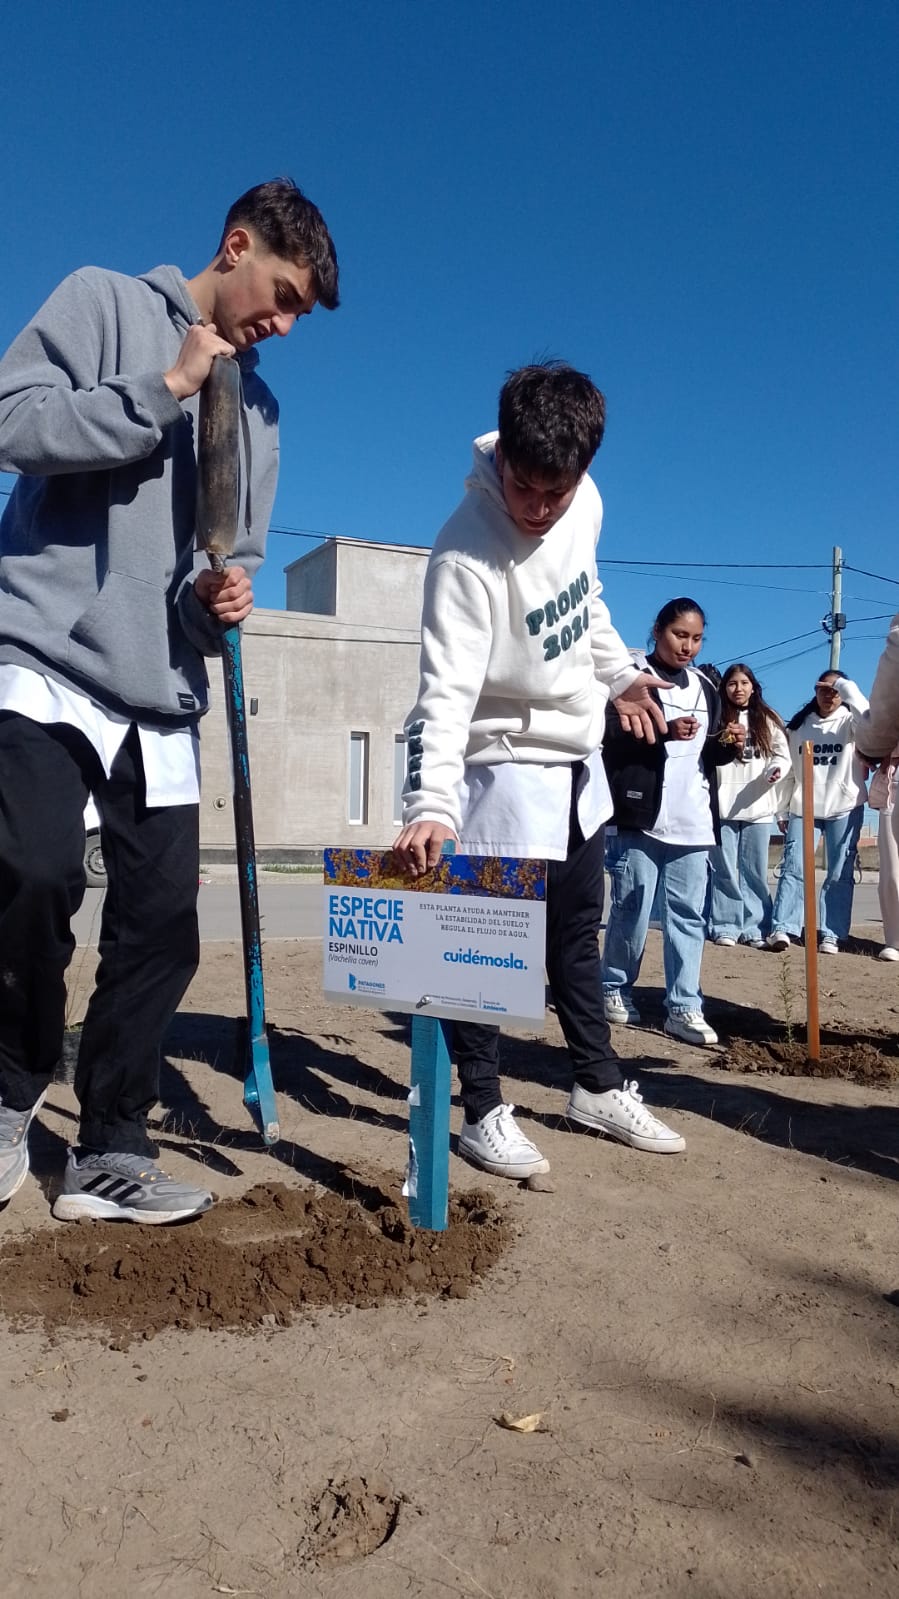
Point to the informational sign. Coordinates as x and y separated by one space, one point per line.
465 942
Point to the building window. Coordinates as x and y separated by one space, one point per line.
399 777
357 798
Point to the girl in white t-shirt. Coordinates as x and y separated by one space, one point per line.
748 797
666 821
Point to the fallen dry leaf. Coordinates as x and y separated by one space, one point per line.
520 1423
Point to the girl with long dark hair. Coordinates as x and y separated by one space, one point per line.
748 794
665 822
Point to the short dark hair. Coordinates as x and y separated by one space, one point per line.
551 420
291 227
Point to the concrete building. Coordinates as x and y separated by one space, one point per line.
329 683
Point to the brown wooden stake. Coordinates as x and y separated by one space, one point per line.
813 1032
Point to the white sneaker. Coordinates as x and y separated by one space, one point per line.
828 946
888 953
778 941
498 1145
755 943
725 943
620 1010
620 1113
691 1027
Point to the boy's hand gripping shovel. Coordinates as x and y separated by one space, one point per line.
218 470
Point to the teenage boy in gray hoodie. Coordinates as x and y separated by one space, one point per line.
106 613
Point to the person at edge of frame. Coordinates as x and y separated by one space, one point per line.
878 746
504 740
106 614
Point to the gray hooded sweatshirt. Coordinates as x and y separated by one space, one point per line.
97 551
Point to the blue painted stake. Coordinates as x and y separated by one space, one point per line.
259 1091
427 1183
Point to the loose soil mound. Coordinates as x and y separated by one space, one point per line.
247 1263
353 1517
859 1062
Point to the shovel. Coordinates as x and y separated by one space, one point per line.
218 469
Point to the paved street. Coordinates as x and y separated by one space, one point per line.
291 907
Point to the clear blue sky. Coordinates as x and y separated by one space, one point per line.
695 202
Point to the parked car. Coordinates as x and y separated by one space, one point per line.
94 869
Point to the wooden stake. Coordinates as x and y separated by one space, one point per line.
813 1033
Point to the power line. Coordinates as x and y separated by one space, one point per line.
305 533
289 532
762 649
675 566
724 582
739 566
877 576
769 666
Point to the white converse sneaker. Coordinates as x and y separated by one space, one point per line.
691 1027
725 943
620 1113
497 1144
888 953
620 1010
828 946
778 941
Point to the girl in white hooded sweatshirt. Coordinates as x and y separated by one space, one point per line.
748 799
829 722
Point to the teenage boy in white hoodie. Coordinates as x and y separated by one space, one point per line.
518 659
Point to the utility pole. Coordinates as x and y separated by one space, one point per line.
837 616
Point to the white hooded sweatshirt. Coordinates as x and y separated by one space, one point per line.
516 645
745 790
839 781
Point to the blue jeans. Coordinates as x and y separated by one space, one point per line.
835 900
740 905
641 868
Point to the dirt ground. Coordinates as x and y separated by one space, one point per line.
708 1340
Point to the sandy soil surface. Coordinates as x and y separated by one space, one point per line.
708 1341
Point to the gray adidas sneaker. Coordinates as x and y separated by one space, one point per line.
112 1187
14 1125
